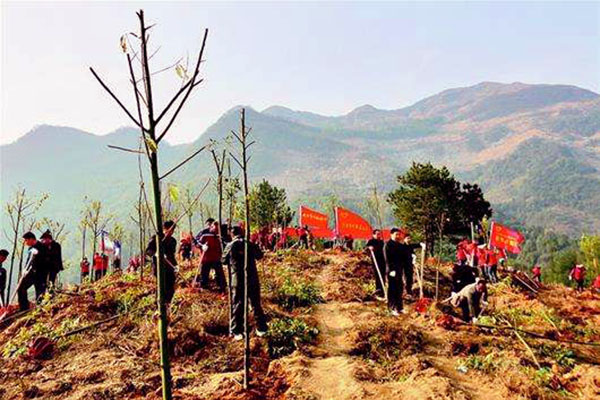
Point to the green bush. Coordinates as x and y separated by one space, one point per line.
287 334
297 293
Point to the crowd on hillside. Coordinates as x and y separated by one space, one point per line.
477 265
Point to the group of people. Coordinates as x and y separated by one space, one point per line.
216 250
393 266
43 263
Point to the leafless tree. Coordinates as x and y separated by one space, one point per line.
154 126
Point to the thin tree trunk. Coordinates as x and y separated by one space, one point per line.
12 256
246 248
161 273
83 255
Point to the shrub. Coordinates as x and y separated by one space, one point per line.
301 293
288 334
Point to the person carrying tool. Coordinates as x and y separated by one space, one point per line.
54 260
398 260
168 248
233 256
210 245
470 299
407 249
375 249
35 272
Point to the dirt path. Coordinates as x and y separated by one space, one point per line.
330 372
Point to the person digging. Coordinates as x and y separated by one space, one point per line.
472 300
233 256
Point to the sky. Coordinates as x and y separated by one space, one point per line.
322 57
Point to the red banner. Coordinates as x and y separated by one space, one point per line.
503 237
321 233
312 218
349 223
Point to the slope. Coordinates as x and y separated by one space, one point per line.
359 351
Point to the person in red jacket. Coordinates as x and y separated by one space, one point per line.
210 259
85 268
97 266
537 273
596 285
577 274
461 252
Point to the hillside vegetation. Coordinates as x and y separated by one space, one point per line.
328 339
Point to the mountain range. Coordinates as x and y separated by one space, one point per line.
535 150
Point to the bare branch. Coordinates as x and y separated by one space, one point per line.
193 202
183 88
155 51
236 160
182 163
236 136
124 149
189 91
115 98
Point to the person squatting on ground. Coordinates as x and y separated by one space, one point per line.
210 245
375 249
35 273
577 274
3 256
470 299
168 248
233 256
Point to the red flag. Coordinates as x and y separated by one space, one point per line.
322 233
349 223
312 218
503 237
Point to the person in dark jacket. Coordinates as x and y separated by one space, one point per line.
3 256
35 272
53 256
375 250
462 275
168 249
393 254
398 254
407 250
233 256
211 258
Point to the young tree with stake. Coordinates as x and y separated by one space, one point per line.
154 127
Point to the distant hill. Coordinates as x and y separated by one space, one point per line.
535 149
